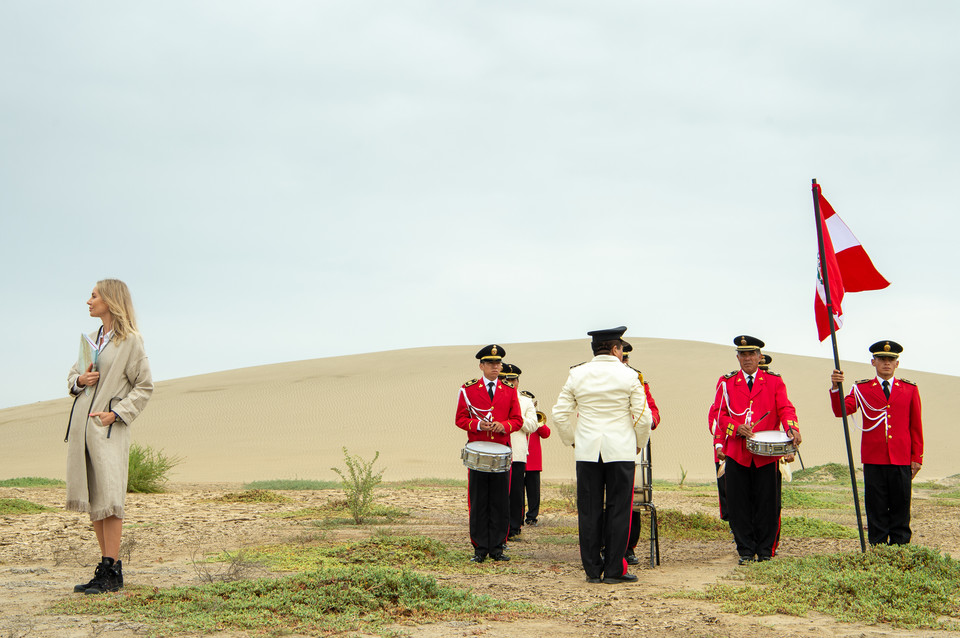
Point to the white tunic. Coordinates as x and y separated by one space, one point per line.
602 411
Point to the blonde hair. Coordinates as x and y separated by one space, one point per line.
117 297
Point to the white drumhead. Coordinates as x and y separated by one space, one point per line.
770 436
488 447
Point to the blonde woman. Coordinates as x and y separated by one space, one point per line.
110 392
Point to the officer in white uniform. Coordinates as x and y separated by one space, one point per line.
602 411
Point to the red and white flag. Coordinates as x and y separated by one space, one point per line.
848 267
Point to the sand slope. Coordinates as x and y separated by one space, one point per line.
291 420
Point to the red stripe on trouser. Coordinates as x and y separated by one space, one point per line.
468 509
776 542
630 517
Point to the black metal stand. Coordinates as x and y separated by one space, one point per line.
646 473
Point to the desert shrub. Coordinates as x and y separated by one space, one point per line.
148 469
359 480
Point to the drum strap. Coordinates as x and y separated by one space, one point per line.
869 412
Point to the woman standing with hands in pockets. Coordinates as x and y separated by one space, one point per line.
110 392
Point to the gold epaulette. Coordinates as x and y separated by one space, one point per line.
579 364
470 383
907 381
507 383
527 393
865 381
731 374
773 374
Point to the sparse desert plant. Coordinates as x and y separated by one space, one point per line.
359 480
148 469
232 567
568 494
683 476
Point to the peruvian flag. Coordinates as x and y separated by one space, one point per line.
848 267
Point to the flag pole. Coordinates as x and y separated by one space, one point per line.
824 274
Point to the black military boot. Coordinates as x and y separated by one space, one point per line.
111 578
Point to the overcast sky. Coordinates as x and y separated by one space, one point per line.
290 180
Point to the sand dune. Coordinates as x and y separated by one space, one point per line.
291 420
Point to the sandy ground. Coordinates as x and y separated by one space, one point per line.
43 555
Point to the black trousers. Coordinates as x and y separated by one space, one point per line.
753 507
532 482
517 471
488 496
604 506
722 493
886 498
634 531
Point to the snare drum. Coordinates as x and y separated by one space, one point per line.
771 443
486 456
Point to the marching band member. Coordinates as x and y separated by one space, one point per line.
602 412
631 557
750 400
488 410
891 448
510 375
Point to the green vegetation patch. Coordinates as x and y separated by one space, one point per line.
831 473
803 527
697 526
908 586
292 484
32 481
929 485
675 486
952 494
428 483
558 505
339 600
337 513
254 496
800 498
381 549
15 506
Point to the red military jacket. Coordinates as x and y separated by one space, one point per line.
769 393
654 410
506 410
899 440
534 452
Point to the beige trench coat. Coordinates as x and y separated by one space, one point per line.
98 456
